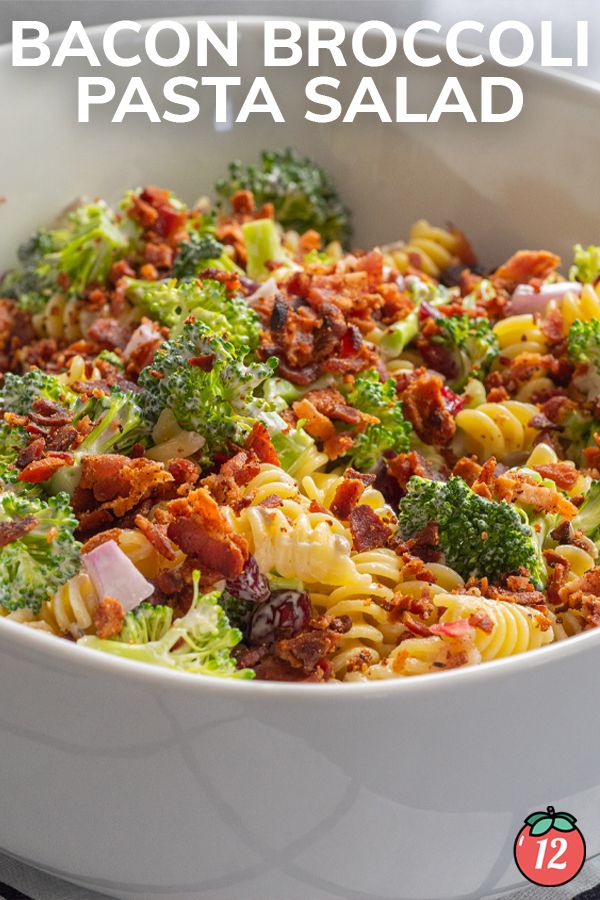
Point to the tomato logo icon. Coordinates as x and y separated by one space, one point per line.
550 849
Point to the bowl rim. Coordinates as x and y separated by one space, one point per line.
54 648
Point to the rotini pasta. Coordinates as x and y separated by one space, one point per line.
497 429
580 308
428 248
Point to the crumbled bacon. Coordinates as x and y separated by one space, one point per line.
199 529
347 495
109 334
563 474
118 483
519 487
403 466
259 442
13 529
426 410
368 530
42 469
155 536
524 266
108 618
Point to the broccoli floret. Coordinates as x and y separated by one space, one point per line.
472 346
118 425
586 264
477 536
146 623
12 440
199 642
208 387
371 395
301 192
587 519
44 553
584 342
171 304
263 245
78 252
18 392
202 251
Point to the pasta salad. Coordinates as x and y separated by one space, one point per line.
230 445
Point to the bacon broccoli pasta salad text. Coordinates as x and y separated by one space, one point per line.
231 446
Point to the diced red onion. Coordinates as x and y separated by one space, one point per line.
427 311
284 614
145 333
526 300
114 575
266 291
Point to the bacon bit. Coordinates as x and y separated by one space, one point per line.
33 451
199 529
460 628
109 334
45 412
160 255
368 530
524 266
317 425
563 474
41 469
424 545
527 597
185 474
585 584
272 501
259 442
347 495
113 534
519 487
14 529
403 466
242 467
552 326
425 408
306 650
149 272
108 618
401 603
61 438
468 469
497 395
155 536
120 483
414 626
338 444
204 362
315 507
330 403
480 619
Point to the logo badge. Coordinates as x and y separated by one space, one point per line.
550 849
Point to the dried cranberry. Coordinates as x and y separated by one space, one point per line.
251 585
283 615
453 402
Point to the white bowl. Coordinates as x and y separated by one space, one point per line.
143 783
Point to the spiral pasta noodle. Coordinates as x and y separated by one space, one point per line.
428 248
519 334
516 628
497 429
582 308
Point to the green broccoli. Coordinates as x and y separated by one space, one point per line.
471 344
77 253
118 424
201 251
476 536
12 440
583 342
301 192
206 384
371 395
586 264
587 519
171 304
42 555
18 392
199 642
